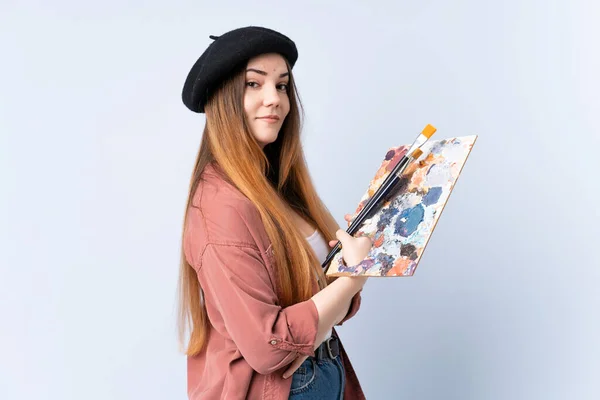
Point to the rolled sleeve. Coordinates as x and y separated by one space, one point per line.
353 309
268 336
302 320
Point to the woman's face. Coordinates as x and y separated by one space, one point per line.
266 100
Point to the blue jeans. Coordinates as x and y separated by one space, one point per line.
319 379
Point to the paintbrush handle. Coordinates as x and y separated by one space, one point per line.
379 194
385 188
371 205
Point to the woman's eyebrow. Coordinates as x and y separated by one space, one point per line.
258 71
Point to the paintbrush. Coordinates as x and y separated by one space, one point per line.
389 185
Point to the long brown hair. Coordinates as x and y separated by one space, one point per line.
273 179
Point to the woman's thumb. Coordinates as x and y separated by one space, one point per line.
342 235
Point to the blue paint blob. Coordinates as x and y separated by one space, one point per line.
386 218
386 261
409 220
430 168
437 147
432 196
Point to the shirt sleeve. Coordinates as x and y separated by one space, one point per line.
268 336
353 309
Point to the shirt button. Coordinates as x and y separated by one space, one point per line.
273 342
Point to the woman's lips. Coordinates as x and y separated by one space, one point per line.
270 120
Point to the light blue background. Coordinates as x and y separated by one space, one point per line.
96 150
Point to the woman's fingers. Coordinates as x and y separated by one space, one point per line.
294 366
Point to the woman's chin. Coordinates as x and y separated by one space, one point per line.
266 139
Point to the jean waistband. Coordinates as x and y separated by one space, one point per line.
329 349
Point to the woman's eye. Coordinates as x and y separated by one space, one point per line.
283 87
252 84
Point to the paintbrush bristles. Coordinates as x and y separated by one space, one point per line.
428 131
417 153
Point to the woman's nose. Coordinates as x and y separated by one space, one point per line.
271 96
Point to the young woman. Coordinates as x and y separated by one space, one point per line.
259 310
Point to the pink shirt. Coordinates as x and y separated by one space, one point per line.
252 338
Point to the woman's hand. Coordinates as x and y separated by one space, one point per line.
294 366
354 250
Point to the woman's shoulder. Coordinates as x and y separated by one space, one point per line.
222 214
217 194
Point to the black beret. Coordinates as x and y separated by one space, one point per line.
225 54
